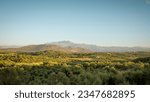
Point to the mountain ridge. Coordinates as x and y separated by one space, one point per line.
97 48
68 46
45 47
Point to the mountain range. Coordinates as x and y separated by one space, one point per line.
96 48
68 46
45 47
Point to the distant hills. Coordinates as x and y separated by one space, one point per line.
3 47
45 47
68 46
96 48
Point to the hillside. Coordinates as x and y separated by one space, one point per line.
46 47
96 48
60 68
68 46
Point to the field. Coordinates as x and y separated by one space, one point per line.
60 68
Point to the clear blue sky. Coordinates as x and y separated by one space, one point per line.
100 22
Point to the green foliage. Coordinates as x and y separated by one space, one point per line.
143 59
59 68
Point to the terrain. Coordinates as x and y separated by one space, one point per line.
70 68
68 46
45 47
96 48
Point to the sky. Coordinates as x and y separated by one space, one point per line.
100 22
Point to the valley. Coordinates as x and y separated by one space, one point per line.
68 68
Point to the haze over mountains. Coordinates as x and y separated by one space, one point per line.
68 46
96 48
45 47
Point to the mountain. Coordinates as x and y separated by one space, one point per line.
68 46
96 48
2 47
46 47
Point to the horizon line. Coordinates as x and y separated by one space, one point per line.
15 45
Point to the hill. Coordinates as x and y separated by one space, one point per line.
46 47
68 46
96 48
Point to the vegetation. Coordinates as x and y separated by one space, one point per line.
60 68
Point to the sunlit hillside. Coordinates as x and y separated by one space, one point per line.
55 67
